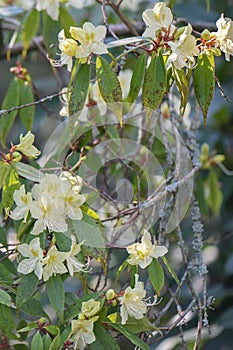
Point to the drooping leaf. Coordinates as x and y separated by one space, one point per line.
132 325
56 294
10 185
171 270
26 96
80 89
66 20
11 100
26 288
154 85
156 275
4 170
50 31
182 83
29 172
7 323
204 82
213 193
109 86
30 29
132 337
104 341
37 342
137 77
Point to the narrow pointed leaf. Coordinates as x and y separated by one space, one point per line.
156 275
182 84
30 29
26 288
11 100
26 96
204 83
132 337
79 89
37 342
171 270
56 294
154 85
137 77
109 86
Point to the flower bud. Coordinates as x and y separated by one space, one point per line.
110 294
219 158
205 34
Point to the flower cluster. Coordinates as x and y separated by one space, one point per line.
183 46
143 253
52 262
82 328
83 43
50 202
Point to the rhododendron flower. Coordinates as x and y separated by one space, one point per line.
34 255
73 264
183 50
26 145
82 332
89 309
143 253
224 36
158 17
68 48
132 303
72 201
50 6
90 39
53 263
75 180
23 201
49 213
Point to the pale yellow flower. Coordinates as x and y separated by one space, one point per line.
50 6
132 303
50 214
157 18
143 253
34 255
82 333
90 39
224 36
23 201
53 263
75 180
68 49
26 145
90 308
73 264
183 50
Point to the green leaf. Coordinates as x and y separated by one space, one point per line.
29 172
63 242
55 343
5 298
156 275
56 295
50 30
29 327
46 341
10 185
104 341
109 86
5 275
182 83
30 29
7 323
133 338
154 85
137 77
132 325
66 20
26 96
37 342
80 89
171 271
204 83
213 193
33 307
11 100
26 288
4 171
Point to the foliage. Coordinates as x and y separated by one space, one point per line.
101 212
